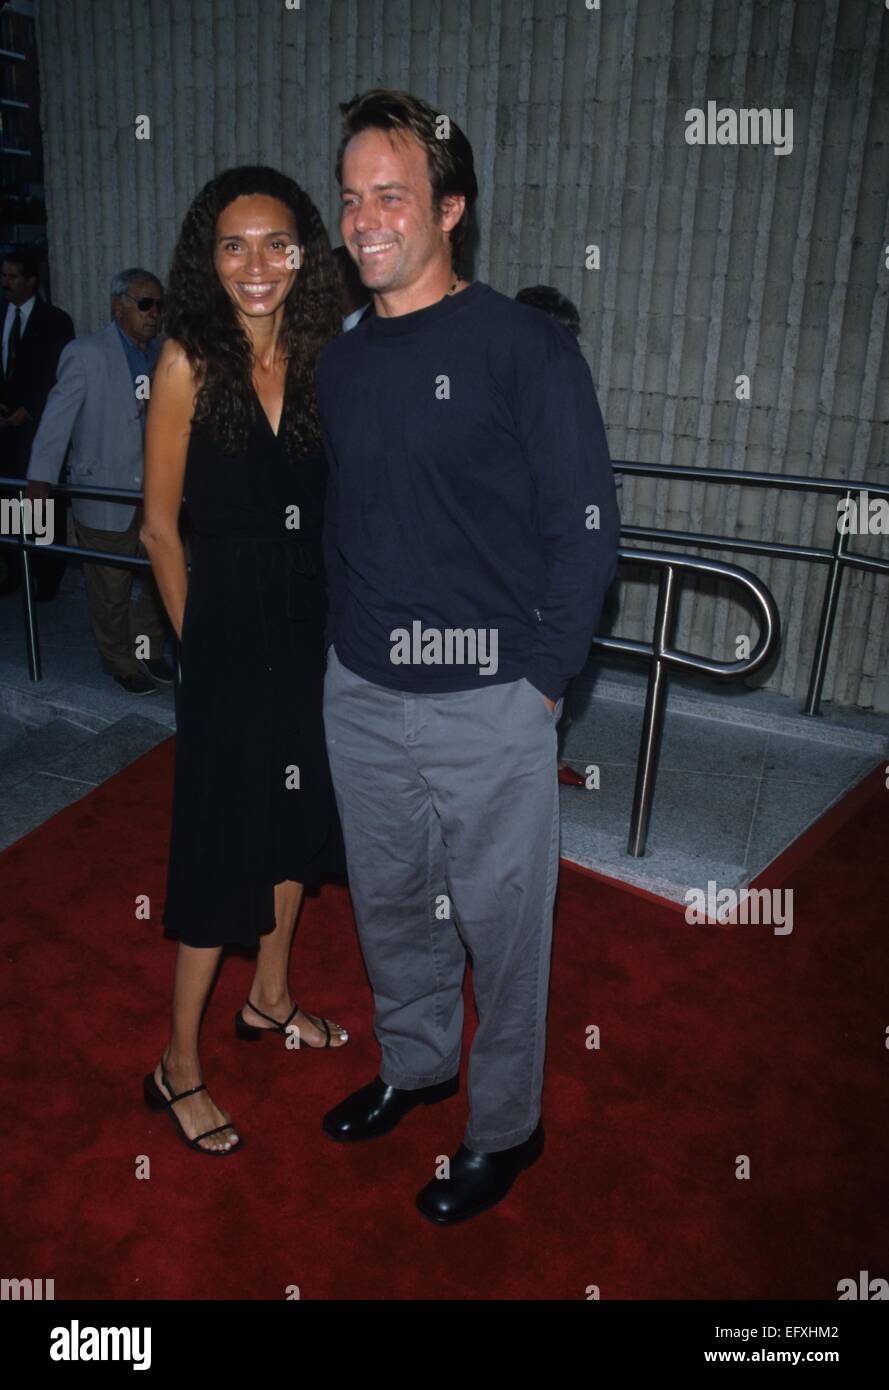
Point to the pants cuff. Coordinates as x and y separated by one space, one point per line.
409 1081
496 1143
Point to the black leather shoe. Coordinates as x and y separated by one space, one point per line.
477 1181
377 1108
157 669
136 685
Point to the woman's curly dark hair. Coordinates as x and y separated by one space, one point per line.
200 315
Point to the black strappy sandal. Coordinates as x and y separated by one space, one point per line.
156 1100
248 1033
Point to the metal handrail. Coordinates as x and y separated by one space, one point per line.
662 656
839 557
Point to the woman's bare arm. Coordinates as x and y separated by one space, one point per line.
167 432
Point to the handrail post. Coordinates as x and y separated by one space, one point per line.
653 717
825 624
32 640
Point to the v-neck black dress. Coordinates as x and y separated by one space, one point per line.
253 803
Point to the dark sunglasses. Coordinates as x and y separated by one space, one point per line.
146 303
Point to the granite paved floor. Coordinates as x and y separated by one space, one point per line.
741 776
66 733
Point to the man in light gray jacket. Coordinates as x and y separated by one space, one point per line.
98 405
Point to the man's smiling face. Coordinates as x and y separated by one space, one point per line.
388 223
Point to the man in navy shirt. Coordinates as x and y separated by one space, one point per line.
471 534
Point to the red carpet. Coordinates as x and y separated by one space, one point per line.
715 1043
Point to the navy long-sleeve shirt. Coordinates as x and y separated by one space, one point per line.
471 523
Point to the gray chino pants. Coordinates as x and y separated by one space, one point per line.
450 813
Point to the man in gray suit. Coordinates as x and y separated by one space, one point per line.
98 405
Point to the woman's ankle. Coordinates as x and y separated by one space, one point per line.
269 1002
185 1067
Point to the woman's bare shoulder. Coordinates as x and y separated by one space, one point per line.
175 375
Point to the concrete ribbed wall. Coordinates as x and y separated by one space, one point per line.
715 260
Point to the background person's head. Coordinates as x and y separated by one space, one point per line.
136 301
354 293
554 303
408 186
19 274
233 273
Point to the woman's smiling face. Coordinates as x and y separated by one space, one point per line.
255 253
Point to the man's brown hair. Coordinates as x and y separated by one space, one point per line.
451 168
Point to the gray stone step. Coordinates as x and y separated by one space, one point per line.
11 730
729 797
734 702
57 763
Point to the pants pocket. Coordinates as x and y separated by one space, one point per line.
553 715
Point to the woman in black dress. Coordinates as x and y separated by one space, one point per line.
233 428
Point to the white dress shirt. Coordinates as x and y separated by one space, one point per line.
352 320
